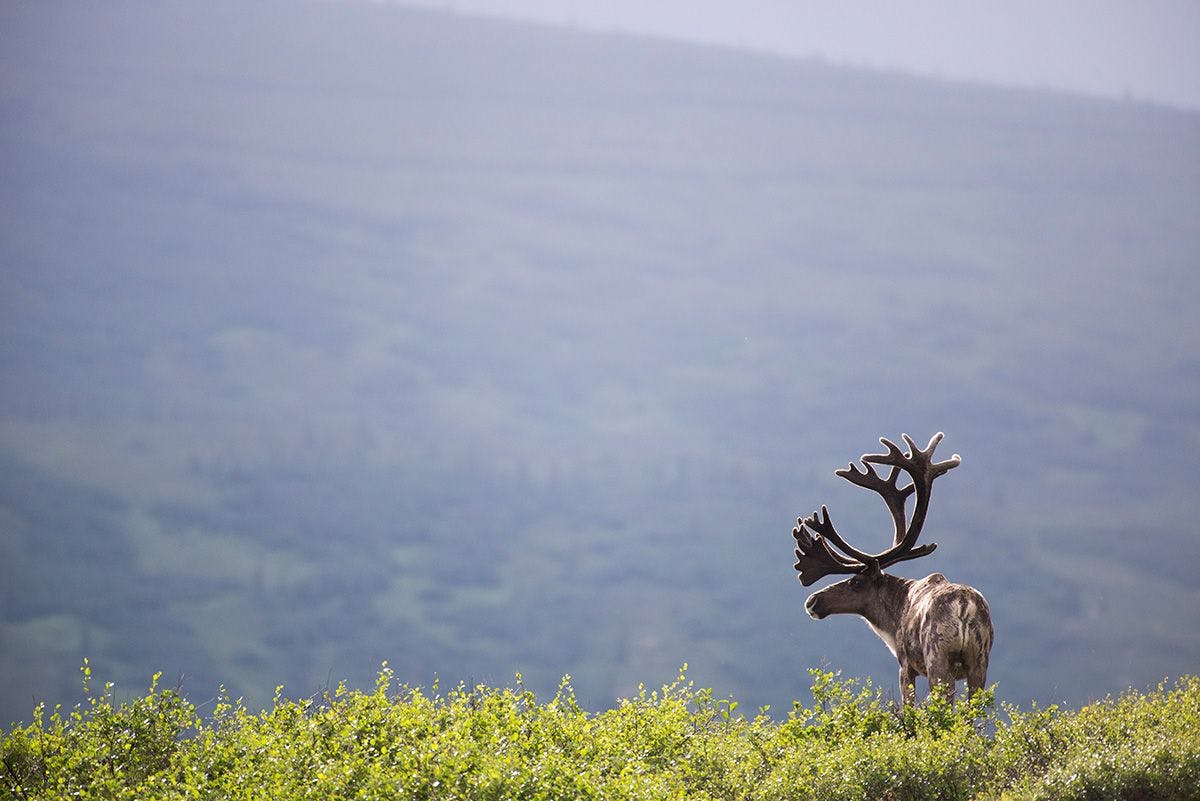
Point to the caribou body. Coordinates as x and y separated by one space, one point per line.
935 628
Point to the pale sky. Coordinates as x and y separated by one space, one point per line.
1143 49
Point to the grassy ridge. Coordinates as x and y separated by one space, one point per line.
678 742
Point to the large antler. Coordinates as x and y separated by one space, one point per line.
814 534
923 470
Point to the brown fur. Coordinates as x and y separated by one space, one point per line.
935 628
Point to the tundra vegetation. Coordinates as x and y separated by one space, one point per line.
399 741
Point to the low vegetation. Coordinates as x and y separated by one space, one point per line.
677 742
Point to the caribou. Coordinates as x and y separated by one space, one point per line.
933 627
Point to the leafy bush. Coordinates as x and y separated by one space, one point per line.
677 742
100 749
1133 747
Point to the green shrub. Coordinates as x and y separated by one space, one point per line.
1133 747
100 749
677 742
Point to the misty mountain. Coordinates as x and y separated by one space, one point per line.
334 334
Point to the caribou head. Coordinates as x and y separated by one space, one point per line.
936 629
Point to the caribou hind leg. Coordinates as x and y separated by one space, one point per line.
943 667
977 674
941 684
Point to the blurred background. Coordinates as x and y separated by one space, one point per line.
504 338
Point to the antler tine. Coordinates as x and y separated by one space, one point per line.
810 540
893 495
915 456
814 558
824 527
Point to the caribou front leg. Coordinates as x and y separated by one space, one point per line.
908 684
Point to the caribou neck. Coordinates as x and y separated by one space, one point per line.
886 609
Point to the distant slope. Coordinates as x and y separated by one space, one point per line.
336 334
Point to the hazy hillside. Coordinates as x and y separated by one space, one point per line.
335 334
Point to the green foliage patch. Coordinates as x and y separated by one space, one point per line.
678 742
